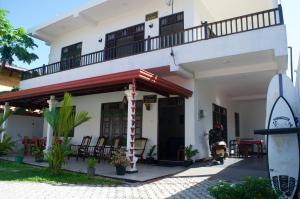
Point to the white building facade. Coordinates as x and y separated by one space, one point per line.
225 53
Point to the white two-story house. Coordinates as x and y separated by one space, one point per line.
191 64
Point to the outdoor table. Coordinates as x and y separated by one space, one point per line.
258 143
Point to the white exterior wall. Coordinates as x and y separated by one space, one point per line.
89 35
252 117
25 126
207 96
232 8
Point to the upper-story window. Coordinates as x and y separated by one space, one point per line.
71 56
125 42
171 30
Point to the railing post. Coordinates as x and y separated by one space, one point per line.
148 43
205 25
44 69
280 14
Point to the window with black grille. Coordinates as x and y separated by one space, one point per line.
125 42
71 56
171 30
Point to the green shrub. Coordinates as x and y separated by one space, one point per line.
250 188
6 145
91 163
57 155
190 152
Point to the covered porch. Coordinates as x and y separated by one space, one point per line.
103 95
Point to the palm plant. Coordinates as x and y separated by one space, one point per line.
3 118
62 121
6 144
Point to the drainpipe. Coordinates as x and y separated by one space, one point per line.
291 62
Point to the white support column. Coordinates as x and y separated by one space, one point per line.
4 125
52 104
131 96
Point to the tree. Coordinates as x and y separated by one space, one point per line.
14 42
62 121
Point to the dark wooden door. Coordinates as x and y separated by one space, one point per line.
237 124
220 118
170 128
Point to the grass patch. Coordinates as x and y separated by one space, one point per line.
10 171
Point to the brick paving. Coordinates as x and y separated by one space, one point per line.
192 183
172 187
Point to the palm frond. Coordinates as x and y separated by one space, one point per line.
5 116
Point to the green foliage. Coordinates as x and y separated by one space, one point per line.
119 159
57 155
14 42
190 152
38 153
151 152
251 188
3 118
91 163
11 171
6 145
62 121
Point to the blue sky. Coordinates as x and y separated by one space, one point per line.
30 13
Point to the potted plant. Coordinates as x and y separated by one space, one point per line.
20 150
38 154
150 155
20 155
91 165
189 154
120 161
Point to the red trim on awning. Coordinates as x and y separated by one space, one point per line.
142 77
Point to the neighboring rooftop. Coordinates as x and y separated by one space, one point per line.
14 67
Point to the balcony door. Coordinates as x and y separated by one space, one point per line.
71 56
220 118
125 42
171 30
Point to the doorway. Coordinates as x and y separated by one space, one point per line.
171 133
220 118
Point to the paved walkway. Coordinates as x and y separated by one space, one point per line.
167 188
192 183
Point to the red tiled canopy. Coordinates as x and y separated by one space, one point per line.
145 81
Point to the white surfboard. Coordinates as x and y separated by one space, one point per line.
283 149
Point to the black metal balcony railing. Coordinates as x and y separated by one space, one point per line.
205 31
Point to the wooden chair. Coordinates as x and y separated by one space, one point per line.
116 146
139 147
83 148
99 148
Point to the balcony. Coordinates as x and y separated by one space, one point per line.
205 31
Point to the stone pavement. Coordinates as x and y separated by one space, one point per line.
192 183
190 187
